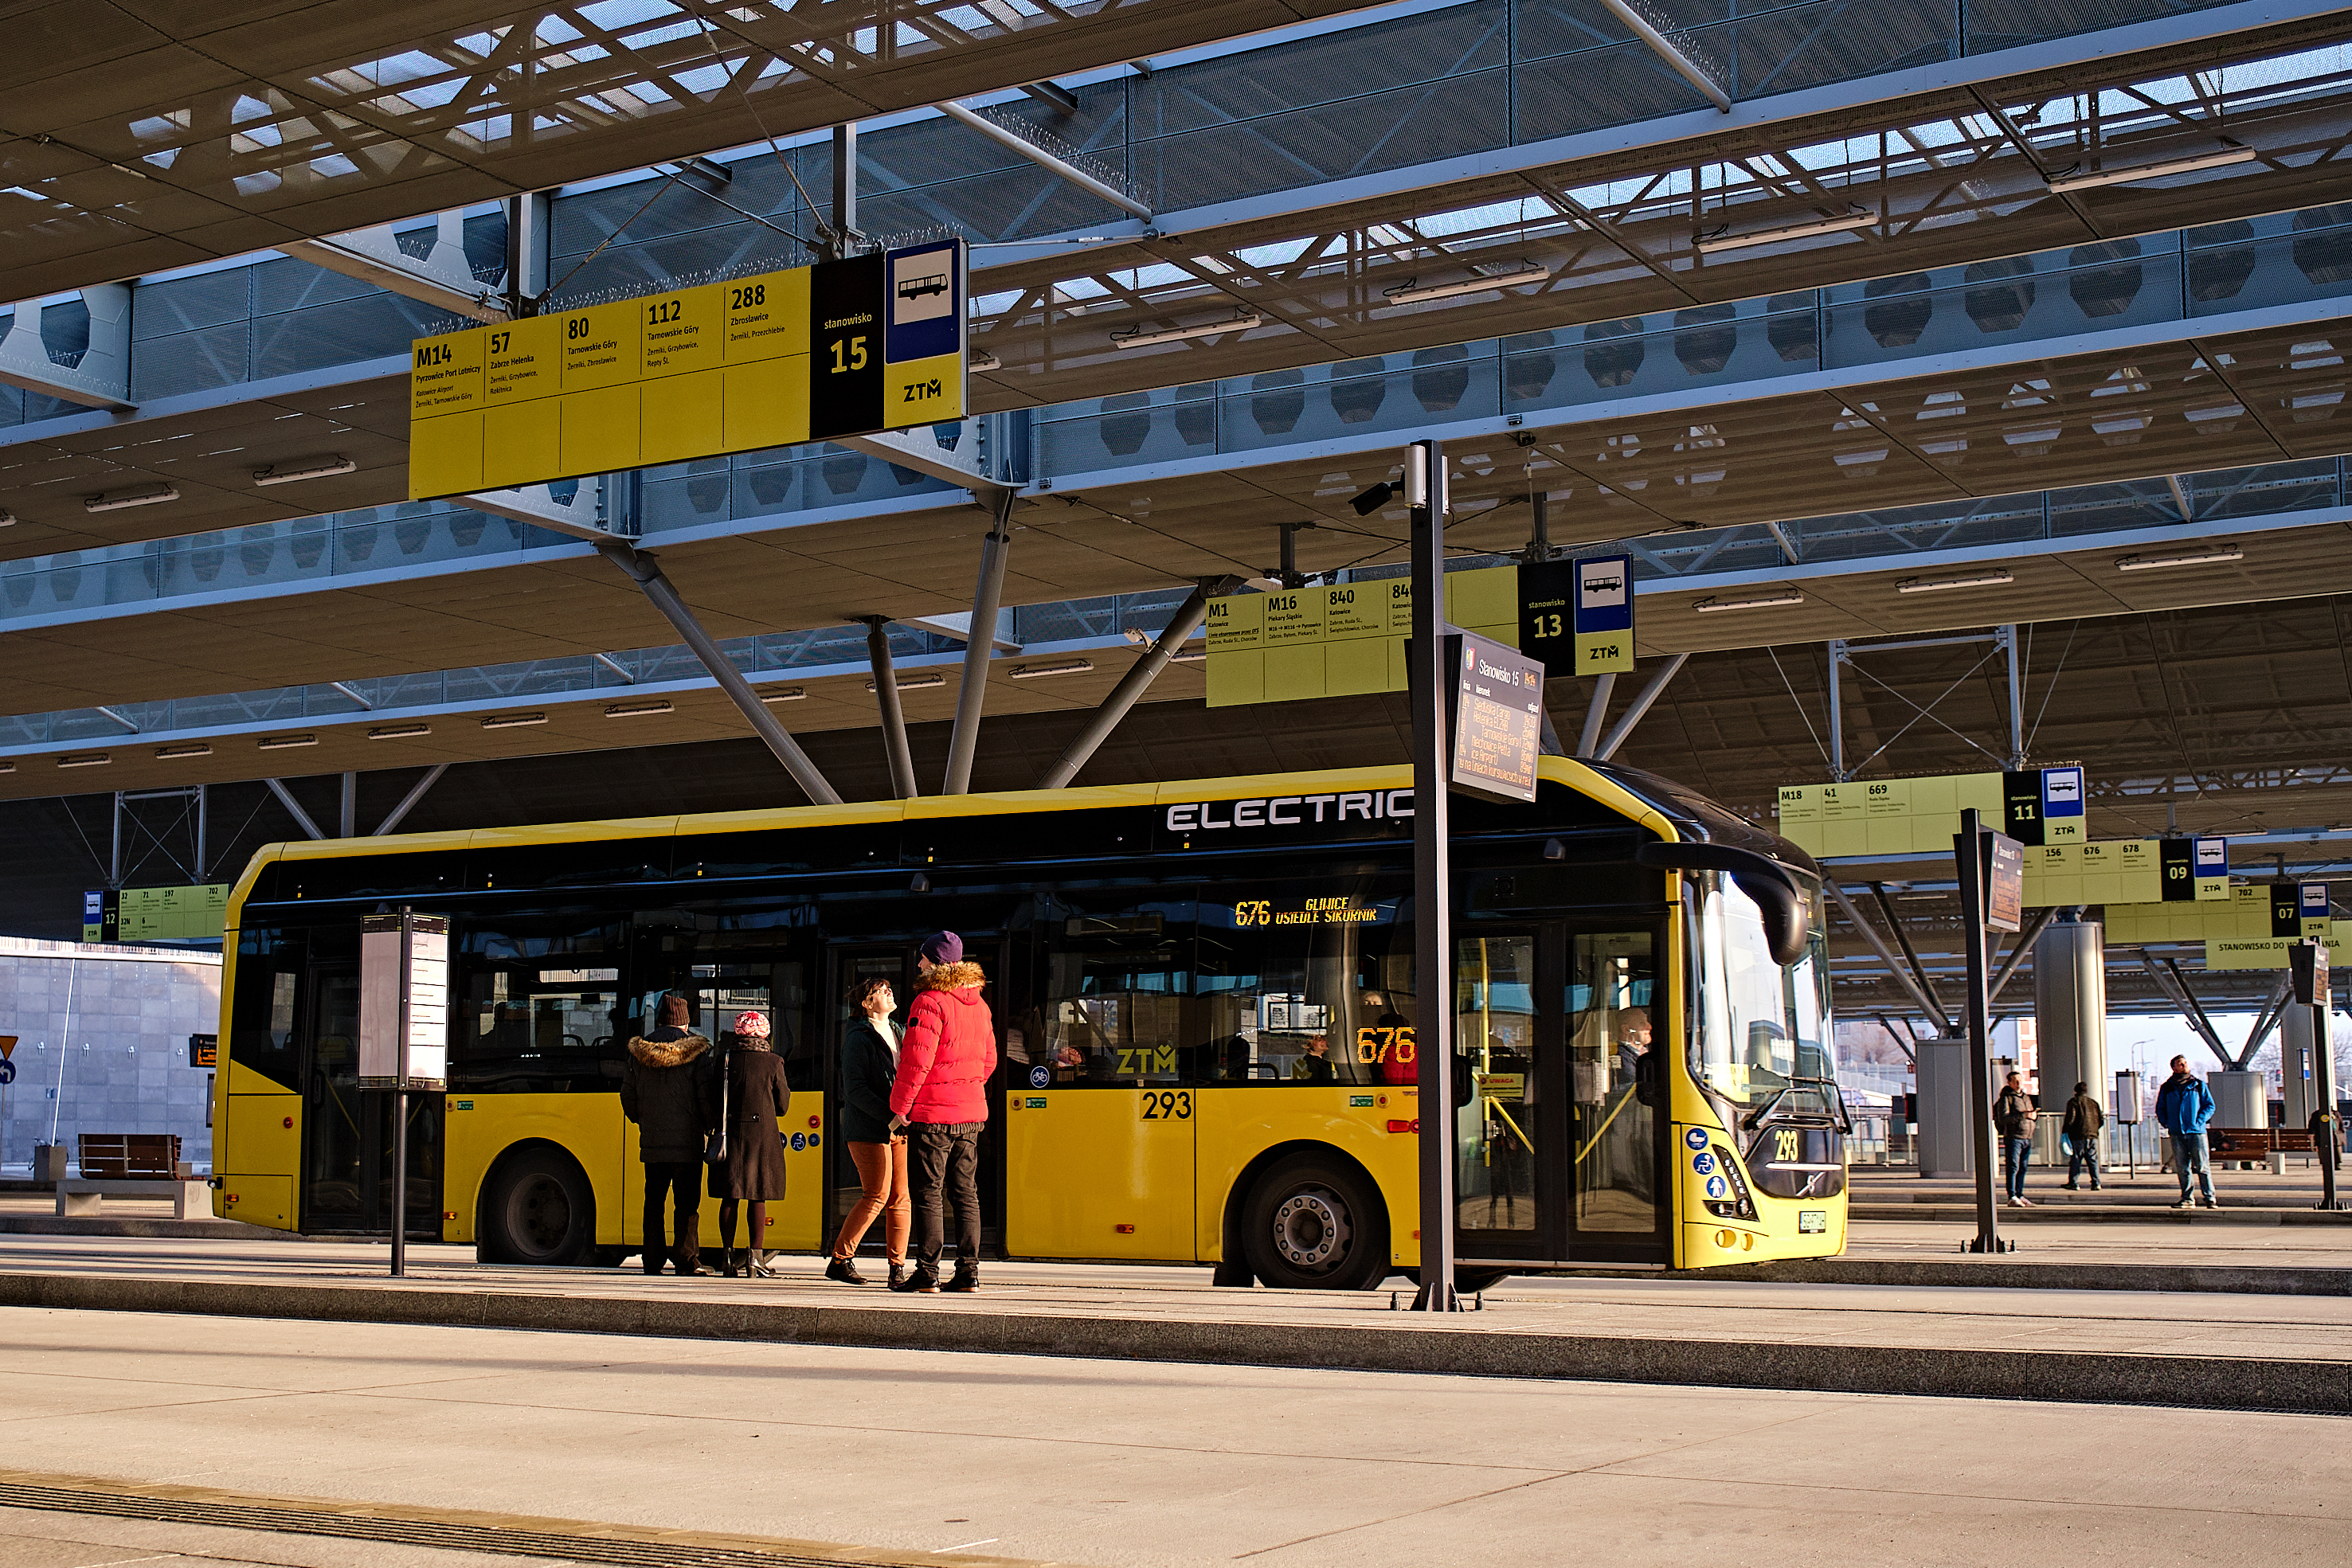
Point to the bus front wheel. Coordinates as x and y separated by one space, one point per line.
540 1209
1313 1223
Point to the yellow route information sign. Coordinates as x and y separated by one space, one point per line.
843 348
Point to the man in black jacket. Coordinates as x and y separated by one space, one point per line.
659 1093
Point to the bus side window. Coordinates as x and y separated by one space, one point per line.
1117 1008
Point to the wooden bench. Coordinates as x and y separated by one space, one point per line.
2271 1145
132 1165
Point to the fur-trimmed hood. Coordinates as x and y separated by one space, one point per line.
953 976
667 1052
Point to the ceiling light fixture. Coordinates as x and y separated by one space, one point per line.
1139 339
1765 602
1718 240
2091 180
915 683
8 767
323 468
7 518
2201 558
1411 293
1938 584
285 742
632 710
399 731
170 753
512 721
789 694
1038 671
85 759
1188 656
982 362
116 501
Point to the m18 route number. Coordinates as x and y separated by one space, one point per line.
1165 1105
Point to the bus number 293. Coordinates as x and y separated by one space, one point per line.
1165 1105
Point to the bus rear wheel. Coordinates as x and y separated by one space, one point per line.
1314 1224
540 1209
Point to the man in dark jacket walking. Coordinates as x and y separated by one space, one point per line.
660 1093
940 1097
2084 1117
2184 1107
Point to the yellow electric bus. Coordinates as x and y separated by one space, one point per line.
1206 1005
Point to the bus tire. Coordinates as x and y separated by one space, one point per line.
1315 1222
539 1209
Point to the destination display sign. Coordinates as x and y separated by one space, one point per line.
1494 718
845 347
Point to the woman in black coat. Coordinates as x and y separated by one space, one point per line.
753 1170
869 1065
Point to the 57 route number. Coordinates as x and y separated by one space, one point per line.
1164 1105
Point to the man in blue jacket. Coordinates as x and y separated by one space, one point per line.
2183 1107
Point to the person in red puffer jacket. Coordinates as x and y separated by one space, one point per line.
940 1098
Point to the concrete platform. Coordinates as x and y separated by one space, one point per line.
917 1456
1976 1339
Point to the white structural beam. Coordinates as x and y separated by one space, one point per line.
1670 44
99 377
1014 142
959 626
440 278
537 505
954 456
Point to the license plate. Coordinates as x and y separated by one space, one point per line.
1813 1221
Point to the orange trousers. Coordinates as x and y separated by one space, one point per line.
882 1172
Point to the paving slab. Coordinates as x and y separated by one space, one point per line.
2227 1351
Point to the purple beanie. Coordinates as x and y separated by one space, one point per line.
943 947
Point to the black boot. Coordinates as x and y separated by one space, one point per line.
923 1279
967 1278
897 1274
845 1270
727 1262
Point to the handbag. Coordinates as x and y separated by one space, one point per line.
714 1148
2068 1147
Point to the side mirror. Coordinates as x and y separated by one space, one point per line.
1780 898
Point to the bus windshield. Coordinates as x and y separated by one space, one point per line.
1763 1040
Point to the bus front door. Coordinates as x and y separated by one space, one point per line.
347 1131
1556 1137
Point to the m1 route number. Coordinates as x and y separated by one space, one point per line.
1164 1105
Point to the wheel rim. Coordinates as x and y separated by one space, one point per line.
539 1216
1312 1230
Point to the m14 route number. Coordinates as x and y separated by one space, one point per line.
1164 1105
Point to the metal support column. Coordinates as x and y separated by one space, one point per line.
1594 715
646 572
1539 533
1134 683
1933 1010
1642 703
1837 713
846 237
894 716
987 596
415 793
294 808
114 860
351 812
1433 893
203 808
1969 849
2016 699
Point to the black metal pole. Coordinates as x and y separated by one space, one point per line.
400 1105
1432 895
1968 855
2323 1062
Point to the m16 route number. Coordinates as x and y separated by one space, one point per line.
1164 1105
1375 1045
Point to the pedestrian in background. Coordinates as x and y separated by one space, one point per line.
2184 1108
660 1093
869 1066
2013 1115
2084 1117
940 1098
745 1100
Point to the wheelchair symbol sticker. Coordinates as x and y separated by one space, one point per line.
1703 1163
799 1140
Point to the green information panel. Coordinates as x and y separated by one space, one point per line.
845 347
195 914
2039 807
